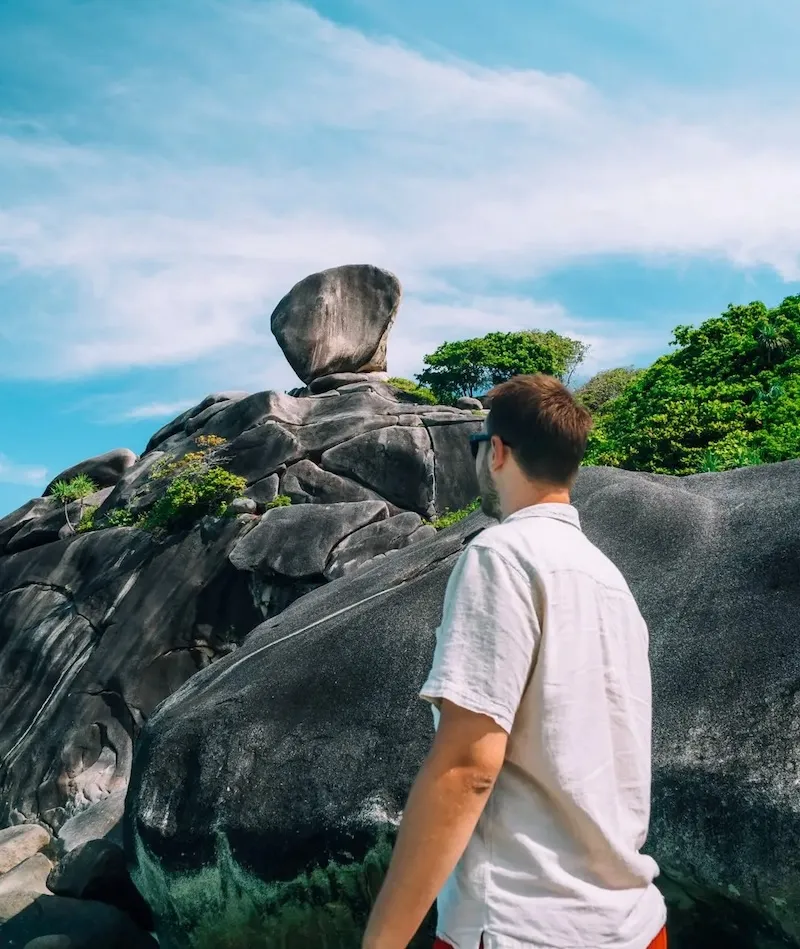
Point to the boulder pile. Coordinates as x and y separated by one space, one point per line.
102 617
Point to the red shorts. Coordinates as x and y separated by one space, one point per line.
660 942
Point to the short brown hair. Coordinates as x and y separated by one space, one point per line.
545 428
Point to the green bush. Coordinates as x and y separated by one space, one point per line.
86 522
728 396
80 486
193 494
453 517
119 517
422 393
282 500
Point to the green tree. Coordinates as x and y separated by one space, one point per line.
729 394
470 367
605 386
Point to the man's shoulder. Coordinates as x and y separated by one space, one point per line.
506 541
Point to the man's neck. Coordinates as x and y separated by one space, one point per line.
544 494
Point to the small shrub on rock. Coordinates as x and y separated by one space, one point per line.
86 522
120 517
193 494
80 486
422 393
453 517
210 441
282 500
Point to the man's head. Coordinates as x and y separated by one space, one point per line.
535 439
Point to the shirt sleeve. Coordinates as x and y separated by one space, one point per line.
487 640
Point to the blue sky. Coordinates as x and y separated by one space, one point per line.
170 168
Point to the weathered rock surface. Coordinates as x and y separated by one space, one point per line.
339 379
265 490
12 523
97 871
21 886
78 924
364 546
185 423
20 842
466 402
296 542
104 470
100 629
712 560
48 527
337 321
307 483
396 462
100 819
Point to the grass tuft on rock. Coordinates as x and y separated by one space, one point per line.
453 517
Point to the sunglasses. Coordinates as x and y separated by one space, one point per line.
475 442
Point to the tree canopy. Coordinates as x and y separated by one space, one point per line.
728 395
472 366
605 386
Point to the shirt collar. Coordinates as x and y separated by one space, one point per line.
558 512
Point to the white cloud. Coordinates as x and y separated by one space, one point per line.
11 473
158 410
307 145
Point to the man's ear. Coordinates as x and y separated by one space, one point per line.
499 453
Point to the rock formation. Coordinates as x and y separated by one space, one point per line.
338 321
271 767
100 623
303 744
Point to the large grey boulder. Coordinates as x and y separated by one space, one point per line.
73 924
396 462
455 478
193 418
54 522
97 871
94 633
337 321
296 542
259 451
367 545
307 483
104 470
327 692
12 523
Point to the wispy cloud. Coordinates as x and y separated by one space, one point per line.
11 473
215 181
158 410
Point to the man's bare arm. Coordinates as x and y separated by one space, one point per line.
444 805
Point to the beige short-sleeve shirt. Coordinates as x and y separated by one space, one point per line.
541 633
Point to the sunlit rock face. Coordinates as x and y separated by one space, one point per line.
338 321
297 753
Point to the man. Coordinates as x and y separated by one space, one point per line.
528 815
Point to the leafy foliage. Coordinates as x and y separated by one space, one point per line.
80 486
729 395
196 486
422 393
86 522
210 441
120 517
470 367
453 517
605 386
192 494
282 500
